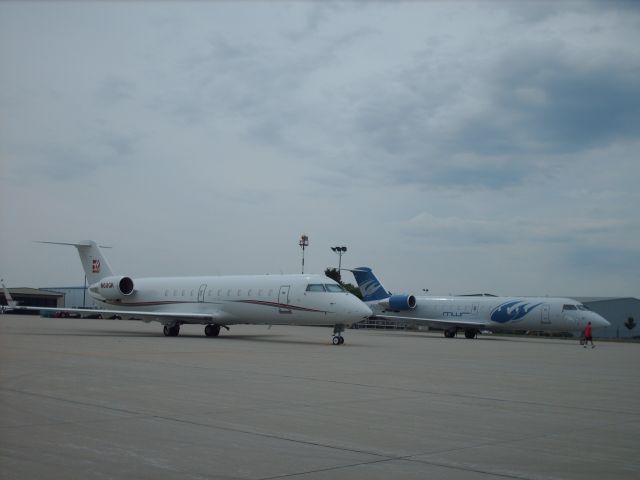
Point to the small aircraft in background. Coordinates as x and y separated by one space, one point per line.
475 313
11 303
216 301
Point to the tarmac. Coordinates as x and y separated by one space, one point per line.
115 399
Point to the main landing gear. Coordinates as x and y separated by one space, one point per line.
337 335
212 330
471 333
468 332
171 330
450 332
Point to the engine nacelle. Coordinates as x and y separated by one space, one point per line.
113 288
399 302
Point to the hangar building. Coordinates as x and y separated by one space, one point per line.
34 297
75 297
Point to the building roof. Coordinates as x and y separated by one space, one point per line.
33 292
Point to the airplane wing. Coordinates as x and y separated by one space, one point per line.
435 322
147 316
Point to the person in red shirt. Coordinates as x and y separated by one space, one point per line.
588 336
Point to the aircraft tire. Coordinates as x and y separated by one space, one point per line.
336 340
469 333
212 330
341 340
171 331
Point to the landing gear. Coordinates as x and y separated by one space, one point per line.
471 333
212 330
171 331
337 335
450 333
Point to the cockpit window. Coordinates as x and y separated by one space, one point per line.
332 287
583 307
315 287
569 307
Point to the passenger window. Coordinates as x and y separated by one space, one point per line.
183 293
175 293
192 293
249 293
332 287
270 292
229 293
260 292
166 293
315 287
239 291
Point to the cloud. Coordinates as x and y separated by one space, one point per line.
555 105
114 90
516 229
506 110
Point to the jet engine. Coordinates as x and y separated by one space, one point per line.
113 288
399 302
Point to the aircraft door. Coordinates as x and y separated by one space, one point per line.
544 314
283 299
201 292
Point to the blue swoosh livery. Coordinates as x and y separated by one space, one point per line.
511 311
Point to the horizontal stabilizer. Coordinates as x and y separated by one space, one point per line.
94 263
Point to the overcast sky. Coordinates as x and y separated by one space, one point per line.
462 147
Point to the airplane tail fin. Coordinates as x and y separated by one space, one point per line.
369 284
94 263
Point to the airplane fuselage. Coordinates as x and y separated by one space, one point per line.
504 313
269 299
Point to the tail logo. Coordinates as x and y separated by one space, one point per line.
95 266
369 288
511 311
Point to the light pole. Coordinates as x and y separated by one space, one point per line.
304 242
339 251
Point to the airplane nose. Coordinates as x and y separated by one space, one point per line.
599 321
364 311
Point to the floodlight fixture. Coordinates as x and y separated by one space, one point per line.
304 242
339 251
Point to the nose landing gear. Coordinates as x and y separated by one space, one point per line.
337 335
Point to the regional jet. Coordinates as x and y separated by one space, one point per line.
475 313
216 301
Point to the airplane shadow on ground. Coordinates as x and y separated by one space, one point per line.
486 338
265 338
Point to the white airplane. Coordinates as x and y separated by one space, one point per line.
476 312
11 303
216 301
